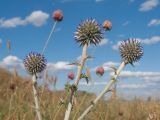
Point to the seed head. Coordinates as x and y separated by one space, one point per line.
58 15
131 50
34 63
88 32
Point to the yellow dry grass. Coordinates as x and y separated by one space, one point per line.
16 103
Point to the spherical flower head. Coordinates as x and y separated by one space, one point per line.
58 15
88 32
107 25
131 51
100 71
71 75
34 63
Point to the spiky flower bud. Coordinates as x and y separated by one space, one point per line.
107 25
88 32
100 71
58 15
131 50
34 63
71 75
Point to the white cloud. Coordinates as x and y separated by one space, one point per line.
110 63
148 5
116 46
107 66
103 42
154 22
132 86
122 85
13 22
61 65
147 76
12 62
125 23
146 41
37 18
149 41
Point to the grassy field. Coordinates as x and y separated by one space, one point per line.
16 103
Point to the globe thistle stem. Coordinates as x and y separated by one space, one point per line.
79 71
47 41
35 94
108 86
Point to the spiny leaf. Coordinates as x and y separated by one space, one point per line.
74 63
83 75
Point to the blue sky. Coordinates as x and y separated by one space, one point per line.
27 25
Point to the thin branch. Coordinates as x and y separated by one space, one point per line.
108 86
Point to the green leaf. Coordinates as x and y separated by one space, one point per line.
83 75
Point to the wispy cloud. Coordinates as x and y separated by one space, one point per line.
125 23
107 66
134 86
146 41
104 42
149 41
59 66
148 5
116 46
36 18
10 62
154 22
147 76
122 85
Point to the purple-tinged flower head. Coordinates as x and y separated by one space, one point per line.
100 71
34 63
71 75
58 15
107 25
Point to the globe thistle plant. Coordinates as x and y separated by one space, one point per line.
131 50
58 17
88 32
34 63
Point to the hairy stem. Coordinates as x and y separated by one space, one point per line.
79 71
47 41
35 94
108 86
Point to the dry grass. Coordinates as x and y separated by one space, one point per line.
16 103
